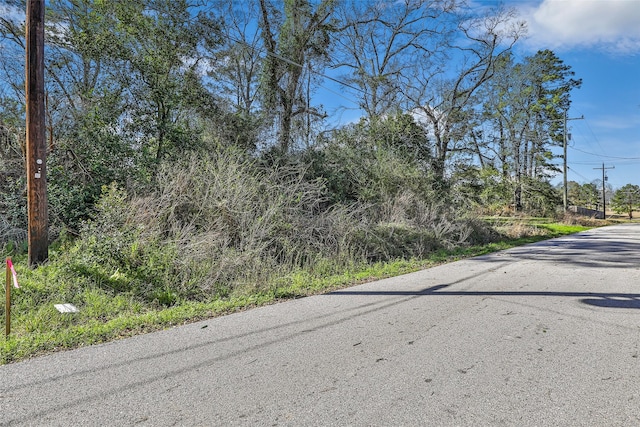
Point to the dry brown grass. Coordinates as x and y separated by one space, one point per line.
223 222
519 229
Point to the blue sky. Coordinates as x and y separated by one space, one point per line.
600 40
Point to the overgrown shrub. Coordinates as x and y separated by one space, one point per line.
219 223
373 162
213 224
111 251
11 237
407 225
13 181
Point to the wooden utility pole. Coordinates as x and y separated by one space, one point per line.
565 195
38 227
604 191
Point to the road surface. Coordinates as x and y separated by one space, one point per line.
542 335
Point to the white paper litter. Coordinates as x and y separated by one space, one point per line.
66 308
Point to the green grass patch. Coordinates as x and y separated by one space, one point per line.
109 310
556 229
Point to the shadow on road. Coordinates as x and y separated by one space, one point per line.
618 248
614 302
598 299
593 253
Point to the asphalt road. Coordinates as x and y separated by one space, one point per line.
542 335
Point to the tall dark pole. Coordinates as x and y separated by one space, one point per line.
604 194
565 191
565 194
604 190
38 227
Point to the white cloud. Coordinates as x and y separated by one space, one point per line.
611 25
614 123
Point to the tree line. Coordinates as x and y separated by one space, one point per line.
450 115
625 199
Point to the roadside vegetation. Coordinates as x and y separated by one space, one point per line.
192 171
223 234
117 297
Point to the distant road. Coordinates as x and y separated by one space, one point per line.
542 335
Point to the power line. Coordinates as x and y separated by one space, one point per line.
595 137
585 163
590 135
607 157
580 175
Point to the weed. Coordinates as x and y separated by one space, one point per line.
221 234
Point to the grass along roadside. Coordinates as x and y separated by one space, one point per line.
105 315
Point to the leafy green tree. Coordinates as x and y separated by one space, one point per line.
373 161
540 197
522 119
235 72
297 42
589 194
574 191
496 193
124 90
158 47
626 199
582 194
